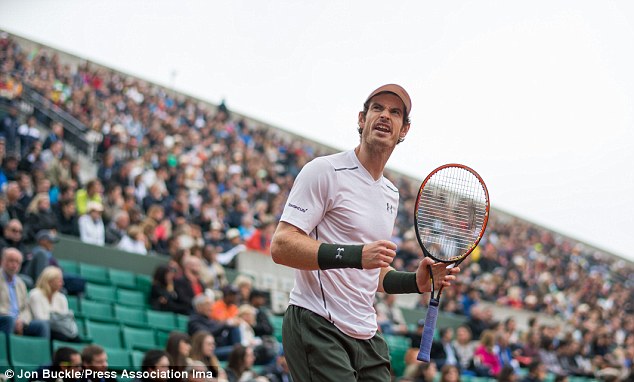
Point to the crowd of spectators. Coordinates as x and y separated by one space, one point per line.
198 184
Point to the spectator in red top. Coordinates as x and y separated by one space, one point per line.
261 238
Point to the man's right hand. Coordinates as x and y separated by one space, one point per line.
378 254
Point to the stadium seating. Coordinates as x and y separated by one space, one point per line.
122 279
28 353
105 334
130 315
139 338
94 273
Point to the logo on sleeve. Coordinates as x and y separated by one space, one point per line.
297 207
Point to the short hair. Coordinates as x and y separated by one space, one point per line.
63 354
90 352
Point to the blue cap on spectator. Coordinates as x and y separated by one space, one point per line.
46 234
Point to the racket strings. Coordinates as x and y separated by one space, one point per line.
451 212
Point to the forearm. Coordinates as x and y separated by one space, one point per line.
293 248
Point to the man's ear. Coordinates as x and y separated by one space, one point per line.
404 131
361 120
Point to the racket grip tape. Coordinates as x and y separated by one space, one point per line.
428 331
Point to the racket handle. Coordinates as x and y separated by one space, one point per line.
428 331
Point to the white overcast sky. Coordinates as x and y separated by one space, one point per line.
537 96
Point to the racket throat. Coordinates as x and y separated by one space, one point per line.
434 301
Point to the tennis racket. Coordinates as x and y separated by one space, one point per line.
451 214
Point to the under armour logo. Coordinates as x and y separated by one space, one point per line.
390 208
339 255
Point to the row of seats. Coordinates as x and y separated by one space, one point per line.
28 353
98 274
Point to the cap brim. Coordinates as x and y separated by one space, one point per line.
398 91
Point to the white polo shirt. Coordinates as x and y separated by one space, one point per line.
335 200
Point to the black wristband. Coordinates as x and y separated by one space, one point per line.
330 256
395 282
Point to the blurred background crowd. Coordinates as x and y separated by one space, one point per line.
170 176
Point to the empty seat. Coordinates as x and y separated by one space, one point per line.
104 334
94 273
161 320
122 279
131 298
29 352
130 315
105 293
139 338
96 310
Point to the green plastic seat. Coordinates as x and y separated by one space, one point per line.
181 322
105 334
94 273
118 358
4 353
130 315
276 322
104 293
75 345
68 266
28 353
161 320
137 359
96 310
131 298
139 338
122 279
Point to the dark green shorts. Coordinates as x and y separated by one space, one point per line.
317 351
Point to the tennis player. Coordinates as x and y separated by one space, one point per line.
335 231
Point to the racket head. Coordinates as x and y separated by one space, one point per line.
451 212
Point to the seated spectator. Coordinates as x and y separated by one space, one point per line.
133 241
465 348
12 236
189 285
4 214
278 371
263 326
442 350
215 276
178 348
485 355
15 313
226 333
536 372
261 239
226 308
39 216
240 363
449 373
65 360
203 349
163 296
118 227
95 358
41 255
15 209
67 218
389 315
91 228
507 374
156 366
244 284
46 298
92 193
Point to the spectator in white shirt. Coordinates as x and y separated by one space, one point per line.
46 298
133 241
91 228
